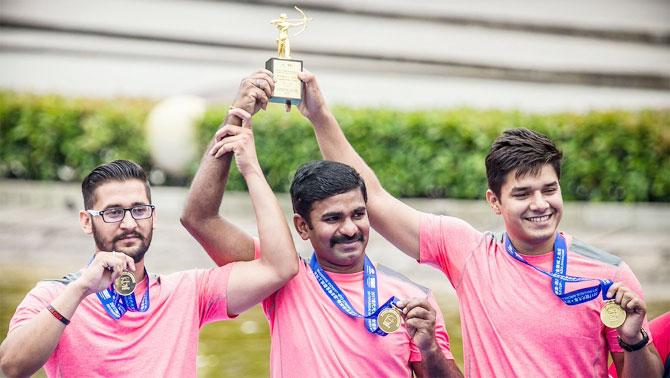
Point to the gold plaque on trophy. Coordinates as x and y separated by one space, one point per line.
288 88
125 284
389 320
612 315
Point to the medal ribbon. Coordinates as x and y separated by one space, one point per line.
342 302
558 276
116 305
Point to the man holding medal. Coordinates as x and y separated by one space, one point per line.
340 316
90 323
531 300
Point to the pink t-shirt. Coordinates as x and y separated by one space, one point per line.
311 337
513 325
162 342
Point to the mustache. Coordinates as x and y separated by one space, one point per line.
344 239
128 234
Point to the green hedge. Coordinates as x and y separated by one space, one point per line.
609 155
51 137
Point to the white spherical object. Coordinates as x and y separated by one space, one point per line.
171 131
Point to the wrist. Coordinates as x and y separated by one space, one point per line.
253 171
429 349
632 344
232 119
321 118
79 289
630 340
56 314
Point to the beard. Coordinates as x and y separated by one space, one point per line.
137 252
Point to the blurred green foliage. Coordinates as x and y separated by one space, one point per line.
56 138
608 155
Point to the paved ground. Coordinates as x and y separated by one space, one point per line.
39 228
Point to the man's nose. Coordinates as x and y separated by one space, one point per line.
538 202
128 221
349 228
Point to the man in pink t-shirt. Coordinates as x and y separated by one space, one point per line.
316 320
114 319
518 317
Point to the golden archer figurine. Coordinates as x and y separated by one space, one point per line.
283 24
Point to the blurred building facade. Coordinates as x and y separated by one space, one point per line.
551 56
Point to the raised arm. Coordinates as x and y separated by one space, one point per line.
28 346
393 219
222 240
252 281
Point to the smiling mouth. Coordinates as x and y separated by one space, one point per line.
539 218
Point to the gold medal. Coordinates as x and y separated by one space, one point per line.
389 320
612 315
125 284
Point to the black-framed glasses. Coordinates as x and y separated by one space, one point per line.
116 214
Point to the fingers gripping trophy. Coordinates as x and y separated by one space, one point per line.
288 88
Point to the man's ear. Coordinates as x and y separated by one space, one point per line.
493 201
86 222
301 226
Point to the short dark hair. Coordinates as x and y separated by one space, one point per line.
117 170
525 150
321 179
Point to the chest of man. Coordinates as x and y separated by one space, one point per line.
310 334
159 342
509 312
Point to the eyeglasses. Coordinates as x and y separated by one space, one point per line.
116 214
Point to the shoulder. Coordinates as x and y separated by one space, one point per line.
193 276
300 280
65 280
400 283
595 254
53 286
37 299
593 261
444 223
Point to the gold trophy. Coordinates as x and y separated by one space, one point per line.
288 88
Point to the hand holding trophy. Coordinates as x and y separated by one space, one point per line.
288 88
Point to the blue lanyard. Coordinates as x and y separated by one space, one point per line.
117 305
369 291
558 276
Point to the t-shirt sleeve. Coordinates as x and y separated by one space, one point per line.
446 243
212 291
626 275
270 302
294 284
441 335
34 302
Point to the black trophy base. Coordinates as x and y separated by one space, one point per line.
288 88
